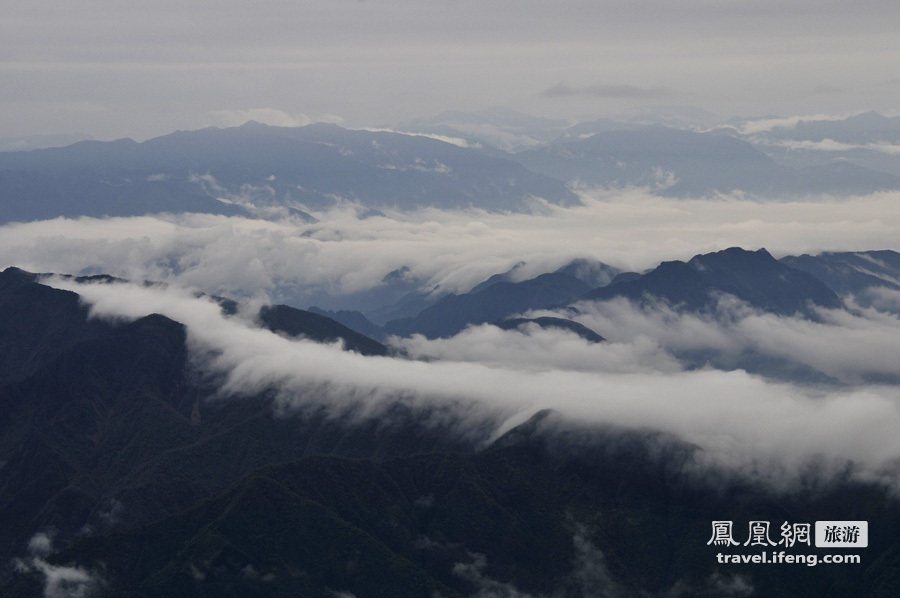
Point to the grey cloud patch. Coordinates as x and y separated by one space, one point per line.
445 138
591 569
60 581
830 145
734 586
632 92
744 423
764 125
718 584
268 116
151 70
485 586
41 544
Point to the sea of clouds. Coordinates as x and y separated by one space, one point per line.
660 369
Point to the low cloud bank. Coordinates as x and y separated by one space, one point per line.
738 420
350 250
848 347
830 145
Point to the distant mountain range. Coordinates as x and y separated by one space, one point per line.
754 277
771 157
452 313
255 168
33 142
686 163
789 286
853 273
495 160
437 315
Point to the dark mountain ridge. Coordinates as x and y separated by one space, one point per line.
754 277
553 323
116 428
452 313
318 327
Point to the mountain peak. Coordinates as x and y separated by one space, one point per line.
733 257
754 277
253 124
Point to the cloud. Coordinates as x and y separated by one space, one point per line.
883 298
541 349
349 250
851 347
591 569
830 145
146 69
501 137
764 125
41 544
486 587
446 139
628 92
739 421
60 581
724 586
266 116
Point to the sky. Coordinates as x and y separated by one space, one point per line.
141 69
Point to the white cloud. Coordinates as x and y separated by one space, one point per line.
446 139
539 349
505 139
851 347
347 250
266 116
486 587
764 125
60 581
830 145
848 346
591 569
883 299
740 421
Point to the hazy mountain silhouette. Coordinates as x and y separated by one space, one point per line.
317 327
752 276
853 273
256 167
493 303
678 162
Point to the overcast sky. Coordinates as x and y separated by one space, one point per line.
139 69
